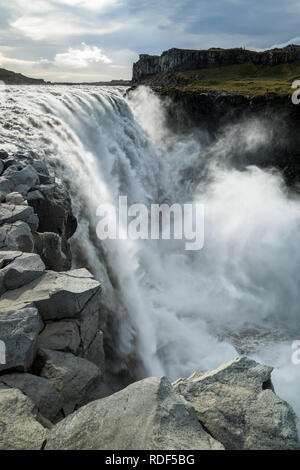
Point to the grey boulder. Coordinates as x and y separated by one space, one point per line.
237 405
19 270
19 331
16 236
54 251
15 198
6 185
10 213
39 390
71 376
20 428
3 154
147 415
58 295
26 176
61 336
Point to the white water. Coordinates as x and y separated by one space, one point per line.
165 308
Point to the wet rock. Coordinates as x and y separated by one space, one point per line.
54 210
147 415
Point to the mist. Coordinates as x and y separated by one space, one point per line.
167 311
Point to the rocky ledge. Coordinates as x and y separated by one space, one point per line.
49 313
52 389
233 407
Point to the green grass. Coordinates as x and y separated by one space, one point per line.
245 78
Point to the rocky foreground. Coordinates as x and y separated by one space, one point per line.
52 390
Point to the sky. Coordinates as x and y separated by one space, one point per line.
93 40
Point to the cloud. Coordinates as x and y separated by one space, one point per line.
6 61
96 5
45 34
41 28
81 58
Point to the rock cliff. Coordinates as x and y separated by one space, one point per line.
49 313
175 60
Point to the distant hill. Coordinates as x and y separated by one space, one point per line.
111 83
12 78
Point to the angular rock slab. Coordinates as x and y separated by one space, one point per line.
39 390
20 270
19 331
71 376
10 213
237 405
16 236
54 251
61 336
20 429
26 176
147 415
57 295
15 198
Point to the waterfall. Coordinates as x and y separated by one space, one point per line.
167 311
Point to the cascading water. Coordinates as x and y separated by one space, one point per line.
166 310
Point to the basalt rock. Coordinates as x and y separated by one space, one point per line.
147 415
19 421
177 60
16 236
54 211
10 213
237 405
54 251
39 390
71 376
19 329
19 269
61 336
71 294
